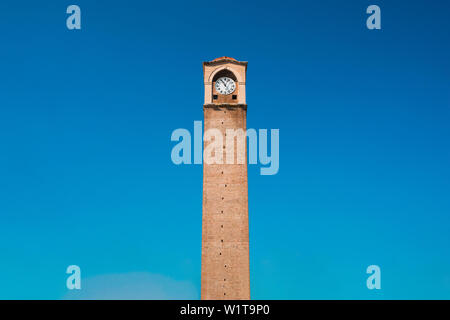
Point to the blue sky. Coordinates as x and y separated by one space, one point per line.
86 117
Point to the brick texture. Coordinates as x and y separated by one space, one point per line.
225 239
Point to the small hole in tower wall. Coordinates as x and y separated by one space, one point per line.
215 97
234 97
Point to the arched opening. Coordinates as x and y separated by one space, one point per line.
224 73
225 98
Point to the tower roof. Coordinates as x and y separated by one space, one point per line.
224 58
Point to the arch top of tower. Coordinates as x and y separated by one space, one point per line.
238 68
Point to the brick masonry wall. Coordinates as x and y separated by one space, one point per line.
225 238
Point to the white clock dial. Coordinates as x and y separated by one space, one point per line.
225 85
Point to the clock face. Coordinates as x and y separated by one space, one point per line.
225 85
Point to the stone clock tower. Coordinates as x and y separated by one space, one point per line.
225 238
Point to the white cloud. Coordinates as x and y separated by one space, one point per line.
136 285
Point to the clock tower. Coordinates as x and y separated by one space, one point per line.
225 237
